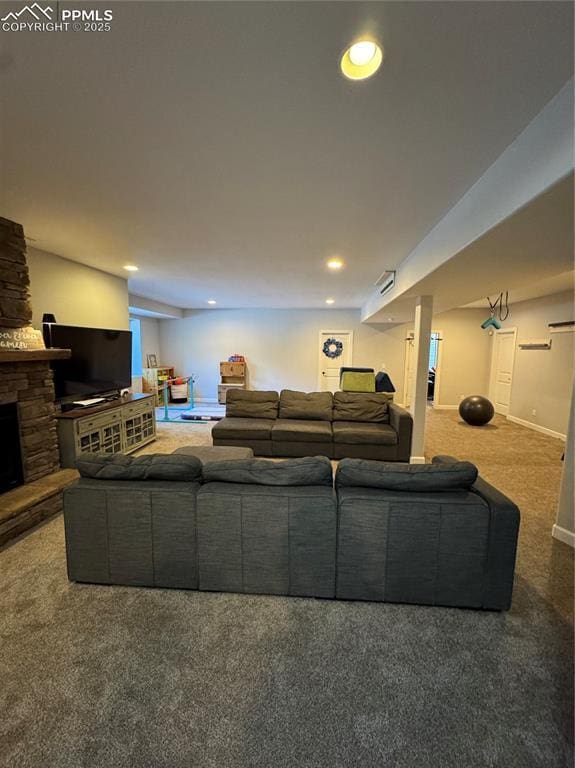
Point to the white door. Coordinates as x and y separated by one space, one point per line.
335 351
502 369
408 377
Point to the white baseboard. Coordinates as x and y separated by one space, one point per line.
537 427
417 460
445 407
562 534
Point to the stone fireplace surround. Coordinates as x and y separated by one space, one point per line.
26 379
30 385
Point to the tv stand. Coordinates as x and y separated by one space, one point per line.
120 426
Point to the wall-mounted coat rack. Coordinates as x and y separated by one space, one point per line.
535 344
566 326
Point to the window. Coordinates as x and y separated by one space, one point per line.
136 346
433 351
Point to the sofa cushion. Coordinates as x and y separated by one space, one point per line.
357 381
305 405
153 466
301 431
243 429
421 478
215 452
248 404
361 406
358 433
312 470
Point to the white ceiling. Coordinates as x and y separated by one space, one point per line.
217 146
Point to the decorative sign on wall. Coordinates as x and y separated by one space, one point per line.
21 339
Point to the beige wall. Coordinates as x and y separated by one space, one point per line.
465 355
542 379
76 294
281 348
150 335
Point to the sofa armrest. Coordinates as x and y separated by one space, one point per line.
503 533
400 420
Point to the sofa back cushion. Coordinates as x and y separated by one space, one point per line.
248 404
305 405
361 406
105 466
417 478
312 470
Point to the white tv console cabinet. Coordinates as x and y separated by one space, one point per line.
120 426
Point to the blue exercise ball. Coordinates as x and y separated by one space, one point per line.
476 410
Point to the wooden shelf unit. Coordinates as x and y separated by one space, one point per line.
153 380
232 376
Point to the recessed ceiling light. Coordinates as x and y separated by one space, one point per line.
211 301
330 301
361 60
131 268
335 264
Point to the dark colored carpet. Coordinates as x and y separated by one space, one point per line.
131 678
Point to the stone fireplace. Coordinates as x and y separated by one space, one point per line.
28 385
29 438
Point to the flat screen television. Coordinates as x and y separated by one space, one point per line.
101 360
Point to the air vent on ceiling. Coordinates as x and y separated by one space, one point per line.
386 281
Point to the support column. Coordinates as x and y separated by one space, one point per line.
422 337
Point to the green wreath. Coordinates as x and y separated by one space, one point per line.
332 348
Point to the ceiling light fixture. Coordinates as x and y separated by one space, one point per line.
330 301
335 264
361 60
131 268
211 301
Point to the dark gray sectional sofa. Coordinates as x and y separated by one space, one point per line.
345 424
432 534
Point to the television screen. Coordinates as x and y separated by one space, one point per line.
101 359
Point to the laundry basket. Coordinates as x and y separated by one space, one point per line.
179 391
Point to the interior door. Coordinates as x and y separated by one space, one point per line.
408 377
335 351
502 369
434 362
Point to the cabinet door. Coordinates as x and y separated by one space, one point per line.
112 438
133 431
139 425
90 442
